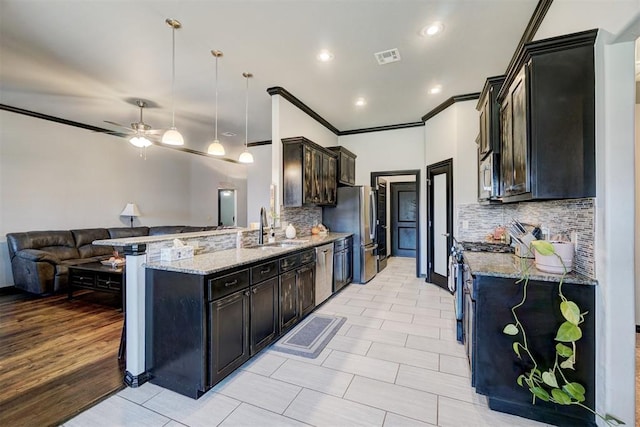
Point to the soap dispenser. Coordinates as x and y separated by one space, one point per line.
290 232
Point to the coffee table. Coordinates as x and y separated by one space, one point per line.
97 277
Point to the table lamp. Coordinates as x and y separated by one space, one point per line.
130 210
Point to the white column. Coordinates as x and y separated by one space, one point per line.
135 374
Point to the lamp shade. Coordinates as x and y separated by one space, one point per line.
216 148
140 141
172 137
131 209
246 157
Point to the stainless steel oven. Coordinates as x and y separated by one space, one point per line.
488 178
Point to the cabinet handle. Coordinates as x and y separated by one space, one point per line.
247 293
235 282
265 271
254 290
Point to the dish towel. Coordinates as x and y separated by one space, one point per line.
453 268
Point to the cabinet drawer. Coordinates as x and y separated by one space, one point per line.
83 279
289 262
264 271
307 256
228 284
339 245
109 282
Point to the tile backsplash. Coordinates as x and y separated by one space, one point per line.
302 218
559 216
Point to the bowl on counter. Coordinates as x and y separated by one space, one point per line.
558 262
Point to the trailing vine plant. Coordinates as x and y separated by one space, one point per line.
552 385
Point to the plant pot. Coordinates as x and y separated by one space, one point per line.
552 263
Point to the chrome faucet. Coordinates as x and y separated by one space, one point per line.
263 224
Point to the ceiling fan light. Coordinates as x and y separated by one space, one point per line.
216 149
172 137
246 157
140 141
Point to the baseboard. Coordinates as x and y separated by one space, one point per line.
9 290
134 381
637 329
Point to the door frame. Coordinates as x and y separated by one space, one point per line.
416 173
235 204
393 210
446 167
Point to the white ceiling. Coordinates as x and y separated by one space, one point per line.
82 60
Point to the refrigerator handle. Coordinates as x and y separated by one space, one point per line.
373 215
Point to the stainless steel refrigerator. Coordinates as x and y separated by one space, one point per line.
356 213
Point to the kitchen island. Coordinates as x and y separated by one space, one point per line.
494 289
209 314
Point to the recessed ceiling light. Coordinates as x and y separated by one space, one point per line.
228 134
432 29
324 56
360 102
435 89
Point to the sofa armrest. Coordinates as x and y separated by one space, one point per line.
36 255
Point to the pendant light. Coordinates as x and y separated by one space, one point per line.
246 156
215 147
172 136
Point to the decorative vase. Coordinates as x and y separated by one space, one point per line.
290 232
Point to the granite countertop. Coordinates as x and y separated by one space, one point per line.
130 241
222 260
510 266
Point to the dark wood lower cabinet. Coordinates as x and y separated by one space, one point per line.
264 314
200 328
306 286
228 334
289 310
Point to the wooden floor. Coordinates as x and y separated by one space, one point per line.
57 357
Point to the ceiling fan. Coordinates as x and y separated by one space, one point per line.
139 130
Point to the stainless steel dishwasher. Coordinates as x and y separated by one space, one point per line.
324 272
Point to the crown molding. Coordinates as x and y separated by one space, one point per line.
449 102
277 90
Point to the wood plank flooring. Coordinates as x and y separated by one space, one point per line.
57 357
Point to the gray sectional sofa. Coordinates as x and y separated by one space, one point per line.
40 259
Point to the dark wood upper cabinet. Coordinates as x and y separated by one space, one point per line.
346 165
309 172
547 120
489 109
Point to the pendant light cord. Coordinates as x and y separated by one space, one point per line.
216 126
246 115
173 78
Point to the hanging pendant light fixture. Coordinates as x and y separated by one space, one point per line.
246 156
215 147
172 136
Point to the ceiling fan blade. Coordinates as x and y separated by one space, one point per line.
118 125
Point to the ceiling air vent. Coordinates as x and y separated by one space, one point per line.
387 56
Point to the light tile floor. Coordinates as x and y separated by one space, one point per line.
395 362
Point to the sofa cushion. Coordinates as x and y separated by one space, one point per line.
84 237
122 232
58 243
165 229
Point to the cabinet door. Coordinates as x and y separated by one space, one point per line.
316 161
307 194
229 334
264 314
324 180
288 300
351 170
306 286
348 263
338 270
331 182
506 156
484 128
520 140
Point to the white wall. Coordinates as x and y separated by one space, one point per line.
392 150
54 176
637 218
258 182
452 135
615 204
287 121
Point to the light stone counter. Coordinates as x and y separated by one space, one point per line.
142 240
510 266
222 260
